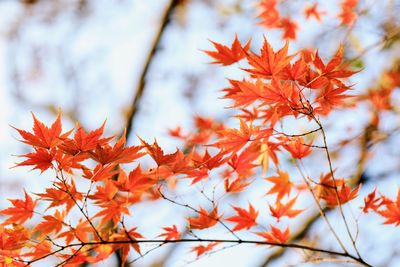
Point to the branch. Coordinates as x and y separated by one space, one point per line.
197 240
306 226
153 50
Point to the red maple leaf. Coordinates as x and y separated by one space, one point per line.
297 148
280 210
233 139
372 202
311 10
245 218
21 210
275 235
201 249
204 219
392 211
269 64
227 56
282 185
171 233
43 136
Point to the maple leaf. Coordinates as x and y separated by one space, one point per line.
244 93
269 13
282 185
124 236
275 235
335 191
243 164
297 148
60 196
12 239
201 249
372 202
268 64
347 15
311 10
51 223
171 233
42 135
101 172
157 153
112 210
104 193
227 56
208 161
84 141
392 211
329 98
236 186
204 219
329 73
233 139
280 210
100 252
137 181
41 159
39 250
289 28
197 175
80 232
116 154
21 210
245 219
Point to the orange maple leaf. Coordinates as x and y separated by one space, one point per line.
204 219
136 181
171 233
392 211
227 56
157 153
269 13
282 185
311 10
289 28
347 15
297 148
236 186
327 191
21 210
41 159
275 235
268 64
42 135
201 249
81 232
233 139
197 175
280 210
51 223
116 154
85 141
243 164
39 250
245 219
58 195
372 202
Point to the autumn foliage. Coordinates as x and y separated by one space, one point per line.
88 223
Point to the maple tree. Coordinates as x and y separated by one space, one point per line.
86 214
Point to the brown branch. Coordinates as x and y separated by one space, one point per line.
197 240
169 10
306 226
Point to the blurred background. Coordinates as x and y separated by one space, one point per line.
140 66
